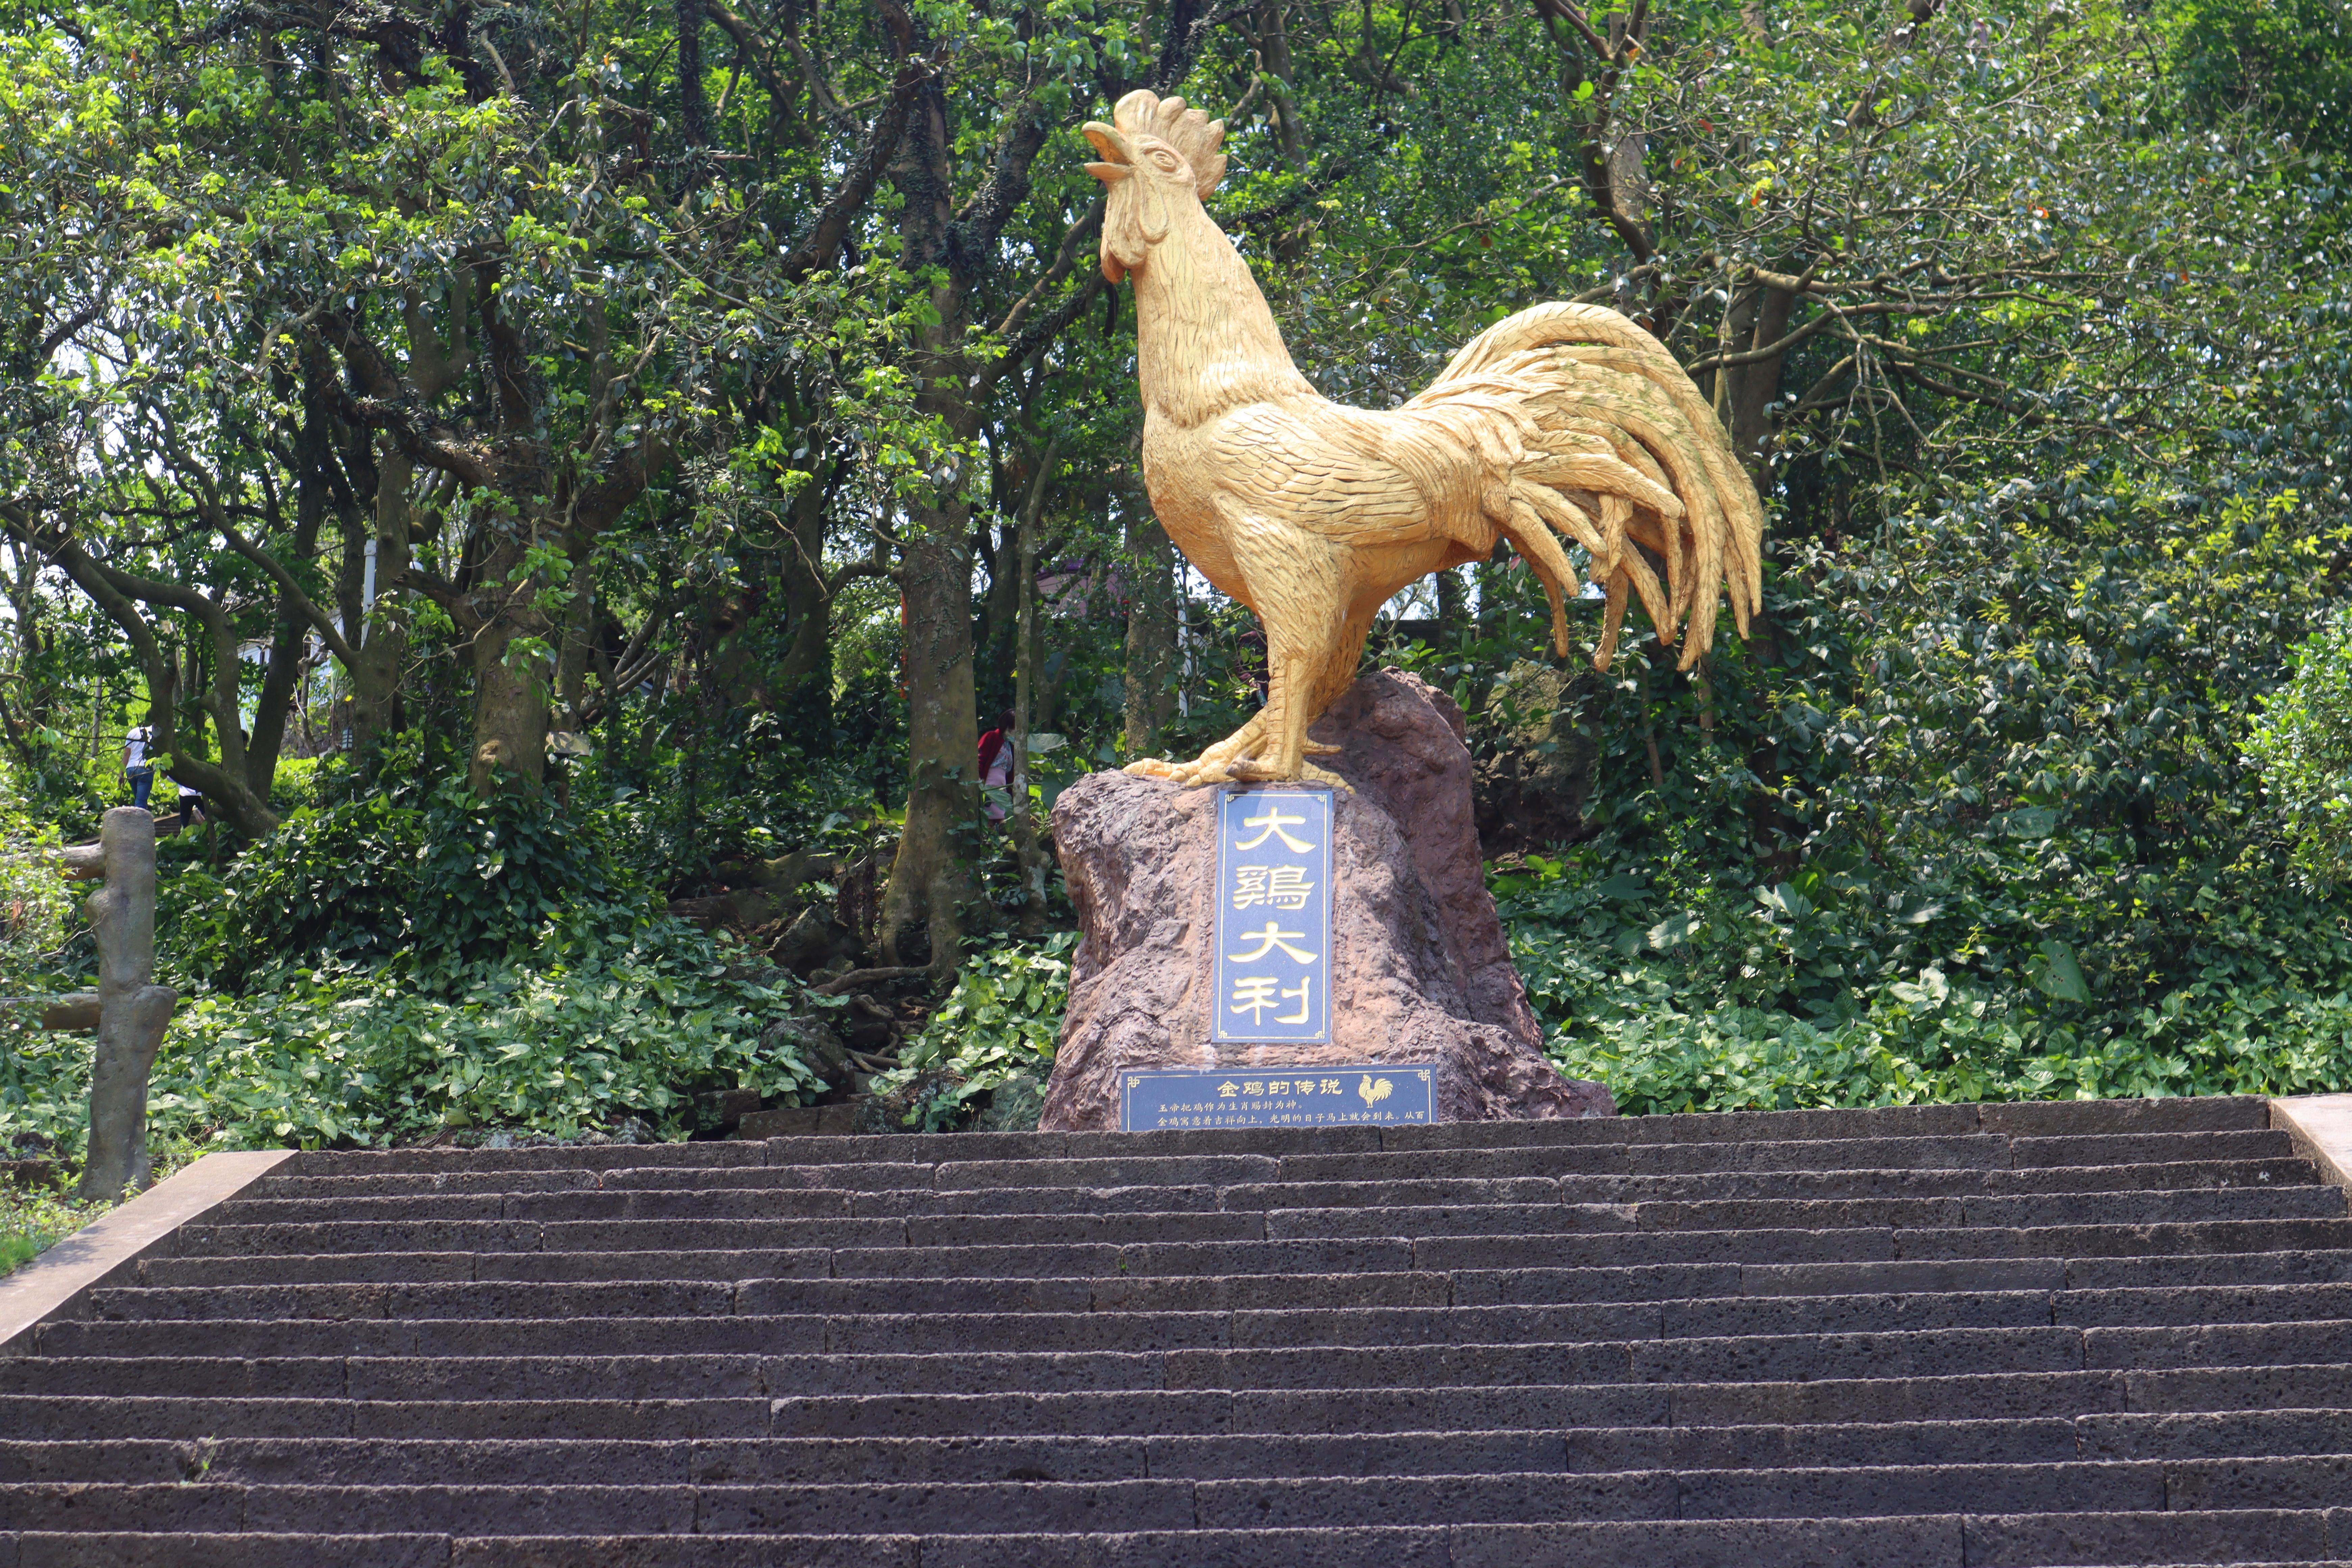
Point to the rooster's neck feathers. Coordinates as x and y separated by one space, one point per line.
1206 342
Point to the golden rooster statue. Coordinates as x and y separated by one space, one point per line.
1566 417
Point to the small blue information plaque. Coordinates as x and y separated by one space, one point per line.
1273 930
1280 1097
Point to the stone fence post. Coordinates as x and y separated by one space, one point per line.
131 1009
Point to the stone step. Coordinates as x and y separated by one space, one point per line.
872 1252
797 1281
795 1211
1918 1542
908 1188
2319 1435
1304 1155
2247 1354
456 1319
2167 1490
2076 1333
2062 1118
1815 1403
2145 1409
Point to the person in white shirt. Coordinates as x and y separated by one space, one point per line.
138 765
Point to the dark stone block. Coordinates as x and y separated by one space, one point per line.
1269 1292
695 1204
537 1378
2032 1541
1124 1413
108 1417
478 1510
493 1417
1258 1456
764 1298
2063 1118
1792 1126
2215 1435
1938 1352
1651 1282
1434 1499
1004 1372
719 1264
2211 1485
972 1333
1516 1409
1923 1543
1492 1219
899 1461
1868 1491
2240 1388
45 1507
1943 1153
348 1269
2286 1266
232 1551
1856 1314
2147 1148
1047 1230
1983 1396
1361 1326
2221 1345
174 1377
1418 1366
997 1509
1912 1276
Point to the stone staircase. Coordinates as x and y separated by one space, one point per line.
2111 1333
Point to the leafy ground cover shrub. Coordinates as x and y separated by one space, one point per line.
1000 1022
2303 744
367 1055
381 969
1765 998
33 1219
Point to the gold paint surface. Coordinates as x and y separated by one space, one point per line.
1565 421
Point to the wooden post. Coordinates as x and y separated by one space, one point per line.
131 1008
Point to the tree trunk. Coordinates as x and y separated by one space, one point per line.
382 625
280 683
1151 635
805 599
931 881
1450 606
509 696
1029 853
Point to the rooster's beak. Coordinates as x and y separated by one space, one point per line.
1119 162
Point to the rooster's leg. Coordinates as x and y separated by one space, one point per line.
1210 766
1309 656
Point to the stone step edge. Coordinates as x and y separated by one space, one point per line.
1857 1542
1596 1437
110 1313
243 1212
58 1283
713 1178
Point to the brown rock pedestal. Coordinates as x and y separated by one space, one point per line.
1419 968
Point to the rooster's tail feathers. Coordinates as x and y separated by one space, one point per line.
1609 416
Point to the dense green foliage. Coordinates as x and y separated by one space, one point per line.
2303 744
532 464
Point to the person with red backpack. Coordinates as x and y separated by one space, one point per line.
996 765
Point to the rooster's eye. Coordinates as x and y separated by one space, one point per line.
1165 160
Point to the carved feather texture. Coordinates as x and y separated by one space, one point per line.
1563 426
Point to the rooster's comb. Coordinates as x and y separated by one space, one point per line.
1198 137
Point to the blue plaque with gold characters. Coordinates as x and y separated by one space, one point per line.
1379 1094
1273 930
